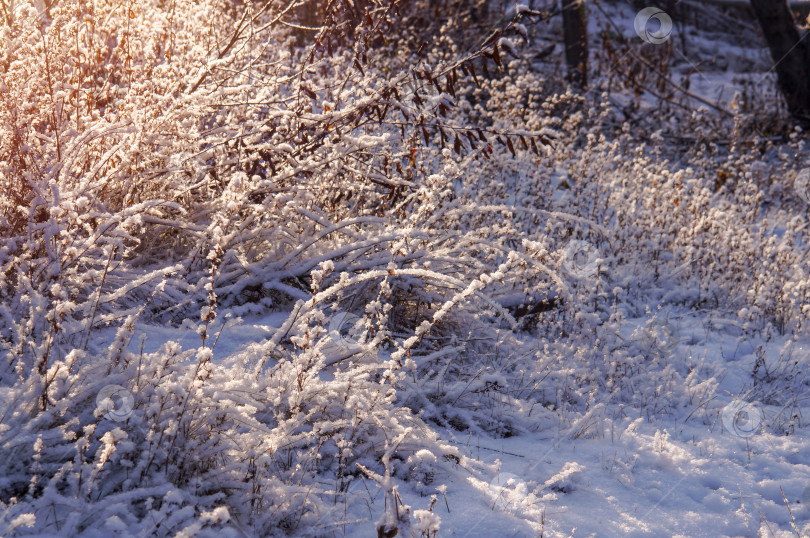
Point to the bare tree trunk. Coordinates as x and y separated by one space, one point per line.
307 17
575 35
789 52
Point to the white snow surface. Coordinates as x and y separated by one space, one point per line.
613 474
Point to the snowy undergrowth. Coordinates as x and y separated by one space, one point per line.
446 254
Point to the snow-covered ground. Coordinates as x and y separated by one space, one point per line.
613 472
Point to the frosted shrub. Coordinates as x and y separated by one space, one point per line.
418 219
171 163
